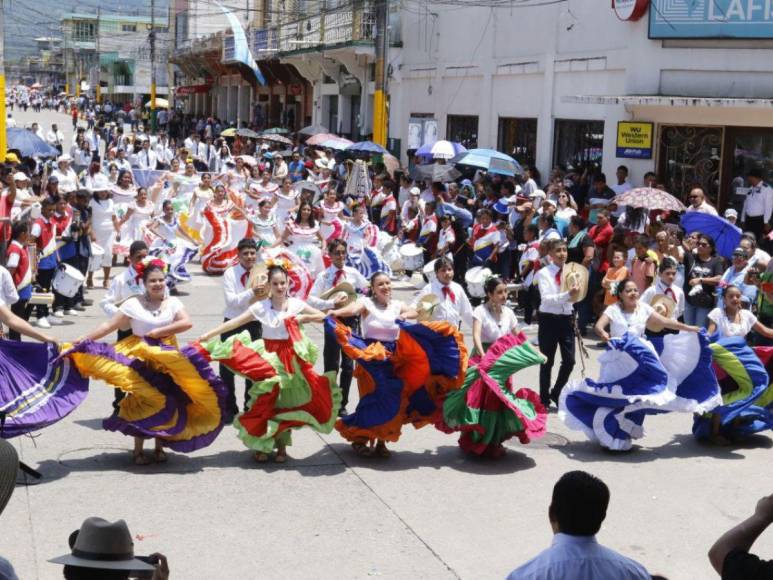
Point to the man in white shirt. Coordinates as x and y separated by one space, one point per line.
10 121
121 162
238 298
121 289
577 510
55 137
698 202
556 327
164 153
665 285
622 184
453 305
758 205
147 158
338 272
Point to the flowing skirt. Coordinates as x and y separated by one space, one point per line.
747 395
286 394
488 409
221 235
171 394
37 387
637 379
401 382
177 255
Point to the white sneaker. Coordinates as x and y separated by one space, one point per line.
56 321
44 323
71 312
59 313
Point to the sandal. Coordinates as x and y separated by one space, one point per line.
160 456
261 457
140 458
382 451
280 457
106 284
361 449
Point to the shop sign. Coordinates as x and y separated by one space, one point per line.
630 9
192 90
711 19
634 140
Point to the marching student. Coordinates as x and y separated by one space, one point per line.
556 329
453 305
18 264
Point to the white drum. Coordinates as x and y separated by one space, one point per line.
429 271
412 256
476 278
68 280
384 240
95 261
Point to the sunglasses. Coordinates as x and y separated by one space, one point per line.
704 244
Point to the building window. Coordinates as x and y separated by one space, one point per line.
752 148
181 28
578 145
128 28
688 156
463 129
84 31
518 138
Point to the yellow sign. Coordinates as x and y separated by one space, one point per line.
634 140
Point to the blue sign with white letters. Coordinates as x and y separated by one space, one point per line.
711 19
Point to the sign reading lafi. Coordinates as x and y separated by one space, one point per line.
711 19
634 140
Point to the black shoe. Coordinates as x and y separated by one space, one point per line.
87 302
79 308
342 412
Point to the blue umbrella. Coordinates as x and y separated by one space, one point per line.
367 147
489 159
29 144
726 235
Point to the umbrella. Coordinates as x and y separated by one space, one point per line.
320 138
441 150
367 147
230 132
310 186
248 159
726 235
160 103
247 133
314 130
489 159
649 198
435 172
29 144
275 131
391 163
274 138
339 144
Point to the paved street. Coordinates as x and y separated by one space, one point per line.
428 512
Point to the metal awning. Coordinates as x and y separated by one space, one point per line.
668 101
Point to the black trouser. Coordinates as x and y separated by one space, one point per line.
755 224
20 310
531 299
44 279
334 359
227 376
120 394
555 331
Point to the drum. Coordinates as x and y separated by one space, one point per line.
412 257
384 241
95 261
68 280
476 278
429 271
46 298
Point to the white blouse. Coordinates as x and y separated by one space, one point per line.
143 320
102 212
490 329
381 323
273 321
726 328
632 322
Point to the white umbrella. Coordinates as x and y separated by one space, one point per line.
443 150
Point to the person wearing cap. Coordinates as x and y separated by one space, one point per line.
68 179
758 205
12 159
337 273
735 275
414 201
105 550
731 215
24 197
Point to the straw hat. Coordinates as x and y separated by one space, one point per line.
105 545
664 306
335 292
259 278
9 465
426 306
575 274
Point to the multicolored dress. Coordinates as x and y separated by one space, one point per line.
287 393
330 225
403 372
171 394
221 236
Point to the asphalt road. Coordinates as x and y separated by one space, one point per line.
428 512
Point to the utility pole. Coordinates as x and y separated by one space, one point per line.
379 97
98 88
170 96
153 66
3 137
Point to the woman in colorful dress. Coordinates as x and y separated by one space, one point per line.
331 210
173 245
222 231
264 227
286 198
488 409
201 196
172 395
359 233
286 393
304 238
638 376
403 370
124 191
